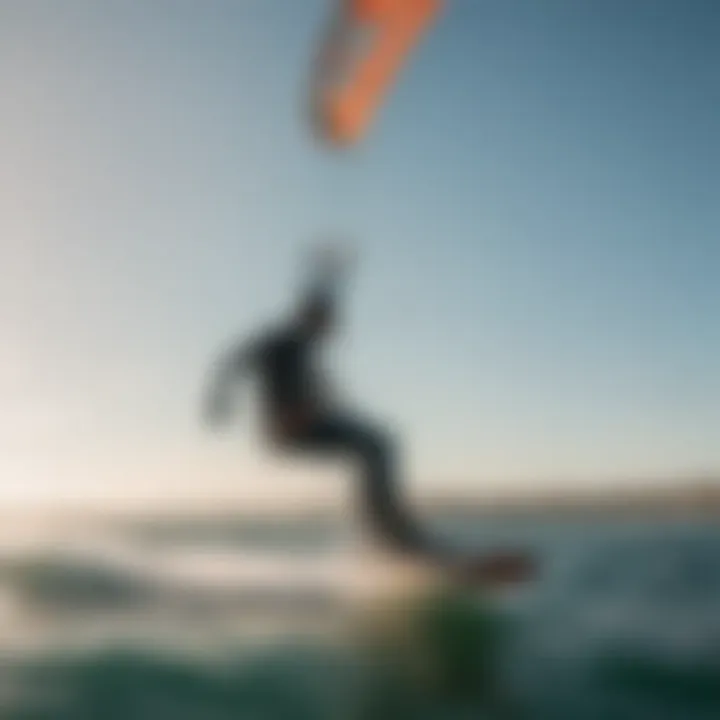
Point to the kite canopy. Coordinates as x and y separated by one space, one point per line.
365 48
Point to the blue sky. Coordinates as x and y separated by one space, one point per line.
537 212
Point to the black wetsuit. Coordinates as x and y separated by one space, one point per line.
288 374
291 380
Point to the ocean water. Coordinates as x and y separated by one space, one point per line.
210 619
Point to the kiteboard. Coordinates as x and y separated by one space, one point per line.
423 630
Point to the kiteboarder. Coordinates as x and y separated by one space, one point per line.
300 416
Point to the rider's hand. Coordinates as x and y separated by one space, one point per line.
333 258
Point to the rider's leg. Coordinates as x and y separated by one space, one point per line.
376 453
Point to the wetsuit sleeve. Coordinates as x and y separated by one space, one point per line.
239 361
243 357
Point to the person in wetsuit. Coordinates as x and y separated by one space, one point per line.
301 417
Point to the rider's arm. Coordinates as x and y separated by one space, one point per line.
230 368
328 272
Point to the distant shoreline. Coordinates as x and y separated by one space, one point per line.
699 500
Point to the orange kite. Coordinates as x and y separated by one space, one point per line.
366 46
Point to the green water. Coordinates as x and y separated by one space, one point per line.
623 625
